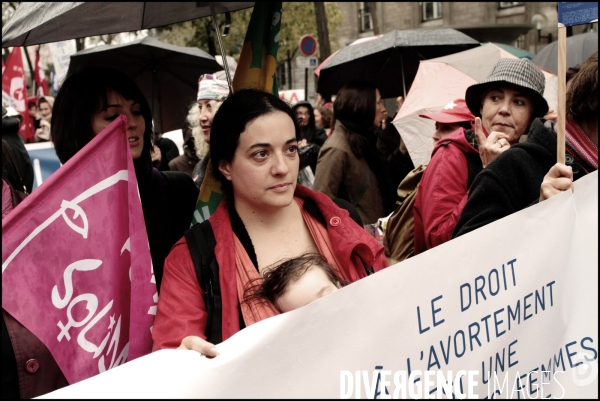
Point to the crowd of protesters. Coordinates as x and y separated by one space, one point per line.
278 244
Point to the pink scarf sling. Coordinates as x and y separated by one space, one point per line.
579 145
257 310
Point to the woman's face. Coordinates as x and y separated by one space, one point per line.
45 109
264 168
379 109
136 125
507 108
318 118
207 114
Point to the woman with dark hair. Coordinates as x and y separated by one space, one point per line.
264 217
295 282
88 101
349 165
528 173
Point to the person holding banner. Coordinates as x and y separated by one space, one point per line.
528 173
264 216
88 101
504 105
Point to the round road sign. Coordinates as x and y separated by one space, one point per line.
308 45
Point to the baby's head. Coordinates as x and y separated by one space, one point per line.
295 282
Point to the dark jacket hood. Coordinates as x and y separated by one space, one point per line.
311 132
311 122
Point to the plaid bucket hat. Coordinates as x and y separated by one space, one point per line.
520 72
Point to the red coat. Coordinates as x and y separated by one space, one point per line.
443 192
181 311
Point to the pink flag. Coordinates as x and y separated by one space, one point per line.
76 268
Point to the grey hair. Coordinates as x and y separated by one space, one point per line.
193 121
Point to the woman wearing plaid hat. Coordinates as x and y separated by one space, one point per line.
505 104
528 173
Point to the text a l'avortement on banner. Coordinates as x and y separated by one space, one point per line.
77 251
511 308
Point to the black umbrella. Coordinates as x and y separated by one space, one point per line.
36 23
166 74
391 61
579 48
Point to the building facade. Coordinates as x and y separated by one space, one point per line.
525 25
510 23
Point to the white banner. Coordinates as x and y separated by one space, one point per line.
292 96
61 56
513 300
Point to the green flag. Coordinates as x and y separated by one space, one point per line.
256 69
258 59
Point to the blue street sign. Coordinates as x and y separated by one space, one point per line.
577 13
308 45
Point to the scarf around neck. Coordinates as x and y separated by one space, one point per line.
580 146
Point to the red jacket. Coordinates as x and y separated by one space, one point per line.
181 311
443 192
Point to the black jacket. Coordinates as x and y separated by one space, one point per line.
10 133
512 181
168 206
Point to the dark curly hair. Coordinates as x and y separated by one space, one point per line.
279 275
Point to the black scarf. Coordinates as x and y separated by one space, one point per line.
376 163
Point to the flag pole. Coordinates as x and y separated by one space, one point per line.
220 40
562 94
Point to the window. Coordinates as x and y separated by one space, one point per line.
432 10
520 42
508 4
366 22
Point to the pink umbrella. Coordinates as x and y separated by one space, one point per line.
357 41
441 80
